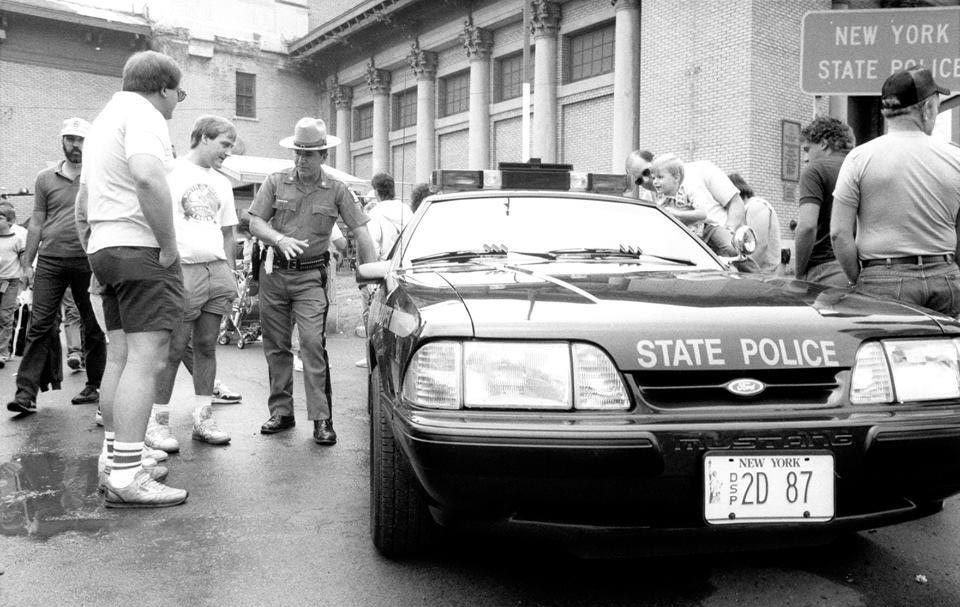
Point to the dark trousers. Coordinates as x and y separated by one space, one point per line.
287 297
51 279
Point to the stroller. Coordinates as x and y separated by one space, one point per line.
243 322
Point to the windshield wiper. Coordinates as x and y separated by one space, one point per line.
486 251
623 251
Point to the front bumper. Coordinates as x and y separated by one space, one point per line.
618 477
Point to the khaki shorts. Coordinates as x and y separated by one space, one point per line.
207 287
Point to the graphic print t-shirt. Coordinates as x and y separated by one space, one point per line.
202 205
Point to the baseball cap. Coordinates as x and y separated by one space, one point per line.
909 86
77 127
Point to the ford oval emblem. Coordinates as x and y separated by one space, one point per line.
745 387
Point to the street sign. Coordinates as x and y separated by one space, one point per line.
851 52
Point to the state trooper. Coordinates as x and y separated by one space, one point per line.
301 206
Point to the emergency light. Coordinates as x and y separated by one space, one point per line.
533 175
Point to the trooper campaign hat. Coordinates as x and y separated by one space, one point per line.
908 87
310 134
77 127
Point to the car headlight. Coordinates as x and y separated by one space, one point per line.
514 375
906 370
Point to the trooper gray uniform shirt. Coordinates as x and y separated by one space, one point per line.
294 292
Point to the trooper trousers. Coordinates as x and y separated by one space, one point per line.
288 297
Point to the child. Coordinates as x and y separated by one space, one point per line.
12 247
667 177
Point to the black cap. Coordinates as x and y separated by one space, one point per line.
909 86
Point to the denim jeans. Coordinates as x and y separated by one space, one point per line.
53 276
935 286
827 273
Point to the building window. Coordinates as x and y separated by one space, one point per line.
363 121
455 94
405 109
591 54
510 76
246 95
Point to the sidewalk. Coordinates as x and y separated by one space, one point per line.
345 308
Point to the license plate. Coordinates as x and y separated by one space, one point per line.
781 487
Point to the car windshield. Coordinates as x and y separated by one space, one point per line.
544 227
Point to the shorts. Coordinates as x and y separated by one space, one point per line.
208 287
139 295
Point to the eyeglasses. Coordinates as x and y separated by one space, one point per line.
181 95
644 175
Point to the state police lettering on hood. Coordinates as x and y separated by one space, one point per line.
710 352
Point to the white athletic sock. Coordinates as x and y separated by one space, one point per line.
106 453
161 414
126 463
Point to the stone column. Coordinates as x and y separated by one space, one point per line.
545 22
478 43
342 97
626 82
379 82
424 66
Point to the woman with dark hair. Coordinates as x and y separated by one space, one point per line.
763 219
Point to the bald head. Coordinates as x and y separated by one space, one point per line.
637 168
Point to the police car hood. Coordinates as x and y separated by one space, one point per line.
664 319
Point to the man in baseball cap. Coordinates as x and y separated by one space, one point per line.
899 190
52 240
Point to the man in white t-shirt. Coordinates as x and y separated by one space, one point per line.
388 216
125 221
205 218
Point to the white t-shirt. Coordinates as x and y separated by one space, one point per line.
202 205
387 218
709 189
12 246
127 125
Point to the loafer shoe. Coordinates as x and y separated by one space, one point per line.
323 433
87 396
207 431
22 406
143 492
278 423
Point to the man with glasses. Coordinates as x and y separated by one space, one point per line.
638 176
125 218
894 220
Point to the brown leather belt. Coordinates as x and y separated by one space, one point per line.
913 260
282 263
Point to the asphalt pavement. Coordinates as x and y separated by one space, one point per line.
279 520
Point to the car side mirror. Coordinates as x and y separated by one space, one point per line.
372 272
745 240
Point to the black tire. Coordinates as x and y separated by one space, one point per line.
242 343
400 521
223 340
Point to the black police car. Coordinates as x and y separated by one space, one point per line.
578 364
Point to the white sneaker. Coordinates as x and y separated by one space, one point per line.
362 363
222 395
158 437
297 363
154 454
207 431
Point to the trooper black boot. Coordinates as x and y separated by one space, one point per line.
323 433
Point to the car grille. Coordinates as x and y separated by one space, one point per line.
689 389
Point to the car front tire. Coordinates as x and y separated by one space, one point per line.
400 520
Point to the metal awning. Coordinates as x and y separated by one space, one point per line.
243 170
79 14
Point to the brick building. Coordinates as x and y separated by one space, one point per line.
60 59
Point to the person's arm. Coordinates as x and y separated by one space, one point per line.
736 212
687 216
365 251
230 244
34 231
153 192
842 222
80 215
956 255
805 235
